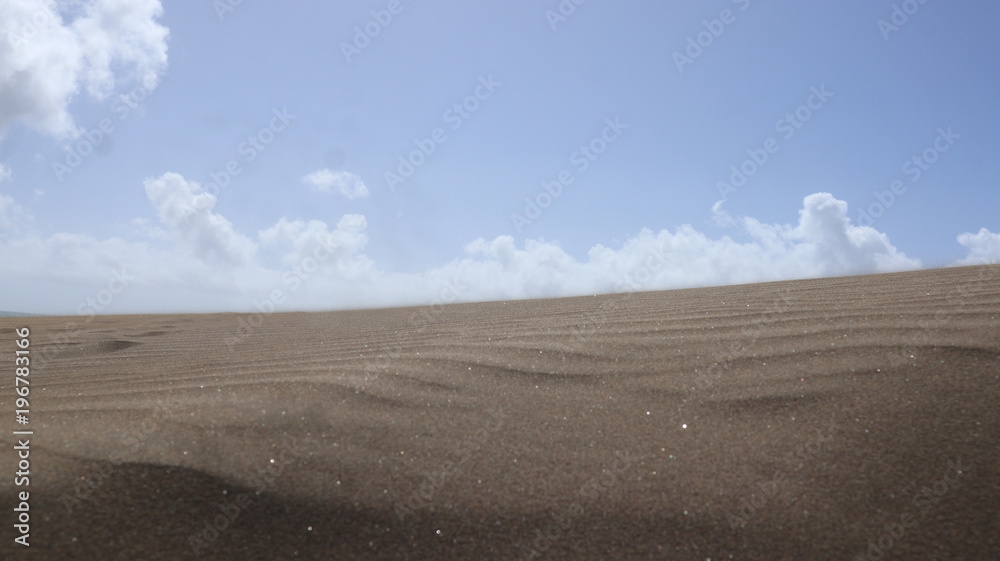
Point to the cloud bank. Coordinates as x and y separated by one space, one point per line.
195 260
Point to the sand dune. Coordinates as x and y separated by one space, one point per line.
840 418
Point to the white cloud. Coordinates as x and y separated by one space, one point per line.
46 57
13 217
328 181
5 173
837 247
9 211
185 209
322 267
984 248
337 252
719 216
823 243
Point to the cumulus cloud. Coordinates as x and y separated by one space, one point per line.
5 173
328 181
983 247
338 252
185 209
51 50
838 247
196 255
822 243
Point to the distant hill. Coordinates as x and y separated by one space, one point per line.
16 315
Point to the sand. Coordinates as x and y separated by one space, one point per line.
841 418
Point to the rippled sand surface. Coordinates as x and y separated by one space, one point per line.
817 419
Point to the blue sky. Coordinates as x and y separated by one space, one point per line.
644 109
